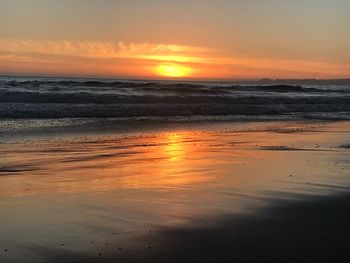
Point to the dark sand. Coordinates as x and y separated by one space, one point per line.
223 192
316 230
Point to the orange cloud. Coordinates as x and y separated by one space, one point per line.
97 48
121 59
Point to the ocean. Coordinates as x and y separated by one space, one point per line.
56 98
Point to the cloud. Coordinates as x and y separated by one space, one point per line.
140 59
96 48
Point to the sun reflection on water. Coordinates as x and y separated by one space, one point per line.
174 148
165 160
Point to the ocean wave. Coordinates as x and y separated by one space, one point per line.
48 110
110 98
182 87
67 98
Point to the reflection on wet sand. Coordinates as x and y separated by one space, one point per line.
164 160
159 161
82 190
174 148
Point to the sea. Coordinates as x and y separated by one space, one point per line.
28 98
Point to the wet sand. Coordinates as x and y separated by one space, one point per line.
205 192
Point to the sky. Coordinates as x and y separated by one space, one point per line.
190 39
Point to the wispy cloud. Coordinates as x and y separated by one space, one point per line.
98 48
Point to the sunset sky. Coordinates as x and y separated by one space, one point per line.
190 39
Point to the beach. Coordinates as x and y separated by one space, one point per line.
150 191
174 131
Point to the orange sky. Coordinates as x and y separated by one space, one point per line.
183 39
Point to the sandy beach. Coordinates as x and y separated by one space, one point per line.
177 192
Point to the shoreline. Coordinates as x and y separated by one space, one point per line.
46 128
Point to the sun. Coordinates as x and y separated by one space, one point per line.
173 70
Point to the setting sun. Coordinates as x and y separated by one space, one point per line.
173 70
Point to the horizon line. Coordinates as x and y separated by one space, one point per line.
107 77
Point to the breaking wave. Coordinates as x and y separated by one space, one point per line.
71 98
